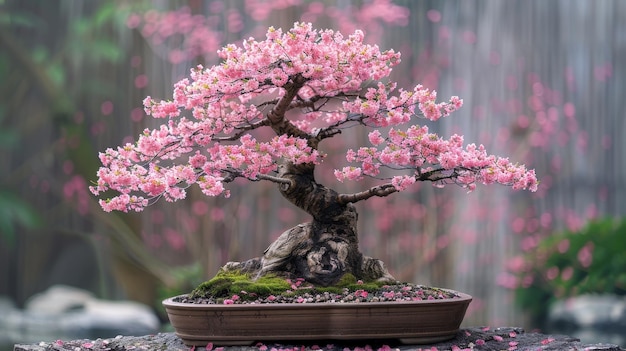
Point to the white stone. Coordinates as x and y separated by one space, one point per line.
590 310
64 312
58 299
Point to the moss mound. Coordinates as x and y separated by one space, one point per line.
225 285
350 282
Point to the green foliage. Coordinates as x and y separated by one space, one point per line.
25 20
9 136
15 212
44 52
185 279
567 264
89 35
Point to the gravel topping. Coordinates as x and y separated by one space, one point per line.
305 294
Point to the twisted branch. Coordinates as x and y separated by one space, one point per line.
380 191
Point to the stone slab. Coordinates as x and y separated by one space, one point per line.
478 339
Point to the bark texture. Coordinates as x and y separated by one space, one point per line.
320 251
326 248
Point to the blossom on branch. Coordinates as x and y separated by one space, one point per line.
331 82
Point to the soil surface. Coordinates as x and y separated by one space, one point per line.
307 294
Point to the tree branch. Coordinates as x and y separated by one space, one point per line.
267 103
380 191
439 174
276 116
237 173
275 179
241 130
387 189
326 133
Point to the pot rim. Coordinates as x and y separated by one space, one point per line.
461 299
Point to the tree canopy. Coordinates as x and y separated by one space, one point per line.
305 85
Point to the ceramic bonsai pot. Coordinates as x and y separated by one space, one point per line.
414 322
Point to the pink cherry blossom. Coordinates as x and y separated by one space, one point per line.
547 341
305 86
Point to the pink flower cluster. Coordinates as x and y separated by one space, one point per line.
421 152
135 169
382 109
206 141
218 100
191 35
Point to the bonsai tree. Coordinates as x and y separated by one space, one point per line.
303 86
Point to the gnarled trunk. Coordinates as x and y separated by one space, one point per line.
320 251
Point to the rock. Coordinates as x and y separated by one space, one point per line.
63 312
590 318
58 299
7 306
109 318
478 339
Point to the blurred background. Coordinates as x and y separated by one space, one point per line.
542 81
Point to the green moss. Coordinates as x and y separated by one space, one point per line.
226 284
350 282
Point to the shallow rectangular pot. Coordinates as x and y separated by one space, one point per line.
412 322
